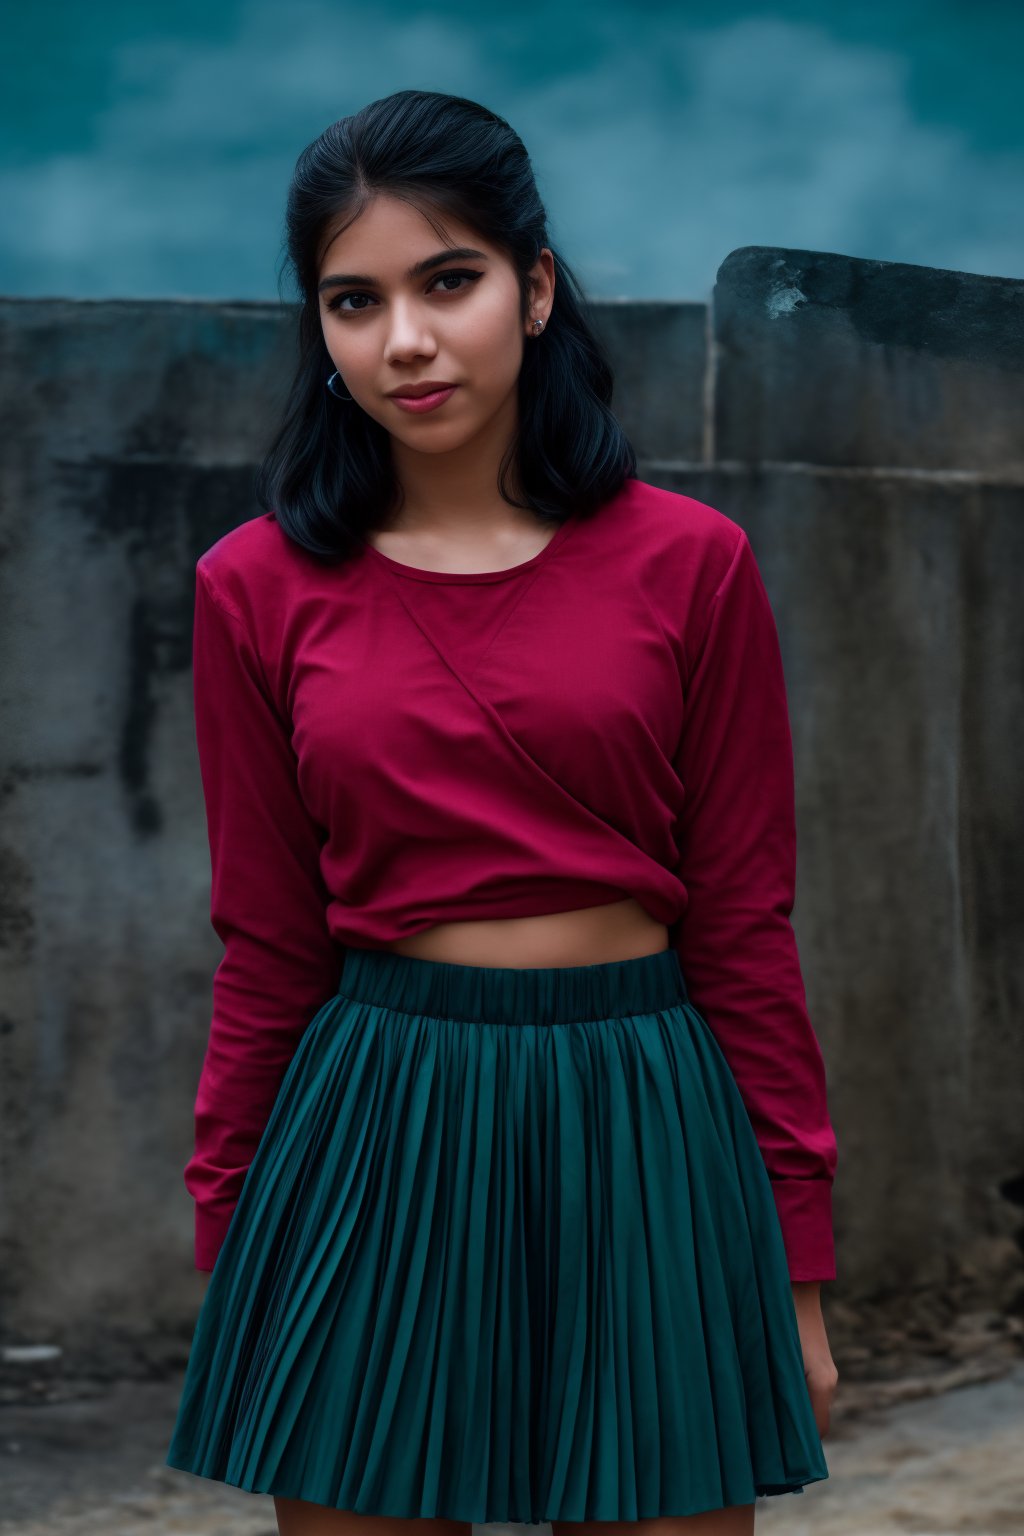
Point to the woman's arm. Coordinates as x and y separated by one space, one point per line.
738 953
737 949
267 905
820 1371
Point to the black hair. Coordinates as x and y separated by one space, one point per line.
328 476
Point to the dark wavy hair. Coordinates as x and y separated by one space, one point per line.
329 476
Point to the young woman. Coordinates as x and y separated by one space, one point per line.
513 1161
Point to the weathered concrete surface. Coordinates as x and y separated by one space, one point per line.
132 429
893 555
827 359
660 354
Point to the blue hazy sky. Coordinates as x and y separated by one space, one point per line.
147 148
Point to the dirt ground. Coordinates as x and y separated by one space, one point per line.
928 1458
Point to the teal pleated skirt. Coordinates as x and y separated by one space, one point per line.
507 1251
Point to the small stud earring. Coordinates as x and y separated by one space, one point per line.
538 325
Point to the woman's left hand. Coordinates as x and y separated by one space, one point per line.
819 1367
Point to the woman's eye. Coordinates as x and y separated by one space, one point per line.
337 303
442 277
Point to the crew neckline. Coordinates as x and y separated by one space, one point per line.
418 573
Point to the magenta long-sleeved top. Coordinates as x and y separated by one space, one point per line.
383 748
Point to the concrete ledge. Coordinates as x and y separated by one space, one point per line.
831 359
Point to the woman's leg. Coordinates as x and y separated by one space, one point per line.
299 1517
734 1520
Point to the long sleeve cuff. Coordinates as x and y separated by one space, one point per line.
805 1215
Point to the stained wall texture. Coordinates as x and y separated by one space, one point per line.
863 421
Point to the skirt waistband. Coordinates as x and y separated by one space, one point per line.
557 994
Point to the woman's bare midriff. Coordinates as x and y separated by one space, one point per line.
622 930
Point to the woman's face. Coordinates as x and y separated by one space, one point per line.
456 322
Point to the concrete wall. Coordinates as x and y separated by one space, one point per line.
862 420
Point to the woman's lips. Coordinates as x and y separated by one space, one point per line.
421 403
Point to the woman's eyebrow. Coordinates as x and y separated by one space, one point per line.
461 252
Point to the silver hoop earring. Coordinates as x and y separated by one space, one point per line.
337 393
